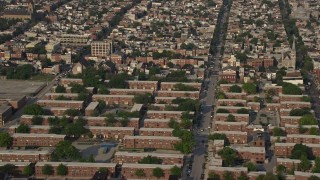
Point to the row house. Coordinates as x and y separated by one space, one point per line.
292 120
117 133
130 91
156 131
64 104
25 155
156 123
229 74
301 138
20 166
164 100
140 142
305 175
232 102
91 90
91 109
276 89
54 96
295 129
294 105
165 114
255 106
253 175
253 127
226 87
68 81
182 62
128 170
285 112
100 121
284 149
236 137
286 97
55 111
134 157
126 100
232 109
27 119
273 106
79 170
238 117
152 85
236 171
181 94
230 95
253 154
169 86
161 107
289 163
230 126
41 129
256 63
23 139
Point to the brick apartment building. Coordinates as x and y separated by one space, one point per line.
156 131
230 126
128 170
68 81
23 139
36 129
294 104
53 96
117 133
238 117
285 112
286 97
75 169
64 104
181 94
294 129
130 91
235 137
19 165
301 138
284 149
254 154
140 142
156 123
255 106
276 89
232 109
134 157
152 85
169 86
55 111
289 163
166 100
125 100
226 87
304 175
273 106
25 155
236 95
100 121
91 109
165 114
231 102
27 119
236 171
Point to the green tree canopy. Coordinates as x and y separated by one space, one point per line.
60 89
37 120
214 176
291 89
28 171
227 175
314 131
220 110
251 166
300 112
235 89
228 155
158 172
243 111
150 160
23 128
183 87
142 98
77 88
308 120
33 109
5 139
299 150
140 173
9 169
249 88
305 163
62 170
278 132
47 170
176 171
72 112
65 151
119 81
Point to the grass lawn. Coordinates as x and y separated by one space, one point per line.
42 77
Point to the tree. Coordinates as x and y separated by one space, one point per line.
299 150
142 98
291 89
119 81
23 128
243 111
227 175
33 109
28 171
8 169
222 110
150 160
124 121
251 166
5 139
62 170
37 120
243 177
157 172
314 131
91 158
281 169
183 87
268 176
308 120
110 119
313 177
64 150
214 176
235 89
102 89
249 88
316 168
231 118
60 89
300 112
47 170
72 112
140 173
228 155
77 88
170 64
305 163
103 170
176 171
278 132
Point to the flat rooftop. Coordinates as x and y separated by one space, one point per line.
12 88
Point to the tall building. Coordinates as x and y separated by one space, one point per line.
101 48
